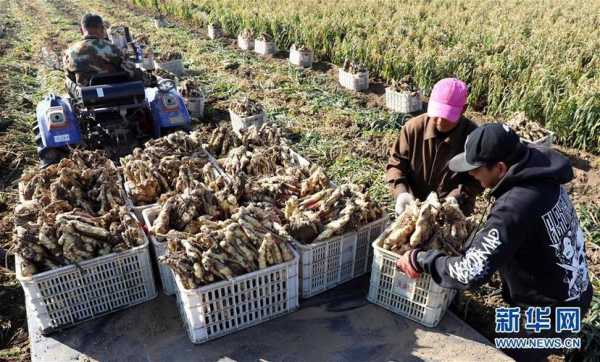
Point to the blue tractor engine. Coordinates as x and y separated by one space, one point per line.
114 114
168 108
56 128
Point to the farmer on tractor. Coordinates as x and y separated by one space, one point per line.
112 105
94 55
532 234
418 159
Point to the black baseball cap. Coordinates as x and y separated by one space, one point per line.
492 142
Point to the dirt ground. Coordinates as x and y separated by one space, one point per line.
347 133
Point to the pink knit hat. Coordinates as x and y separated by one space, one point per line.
448 98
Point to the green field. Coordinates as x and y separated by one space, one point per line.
540 57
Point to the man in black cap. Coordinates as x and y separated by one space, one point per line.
532 234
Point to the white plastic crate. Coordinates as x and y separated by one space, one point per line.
299 160
245 44
356 82
148 63
239 123
160 22
219 309
301 59
329 263
118 38
160 248
264 47
402 102
174 66
214 33
421 300
73 294
195 106
544 141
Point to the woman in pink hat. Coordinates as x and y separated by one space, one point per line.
418 160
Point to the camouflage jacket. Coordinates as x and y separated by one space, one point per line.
89 57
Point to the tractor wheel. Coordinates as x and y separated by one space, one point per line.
49 156
169 130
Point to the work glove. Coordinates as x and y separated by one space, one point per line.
402 200
452 200
405 265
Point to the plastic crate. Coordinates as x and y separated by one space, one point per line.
329 263
195 106
301 59
174 66
264 47
299 160
545 141
239 123
356 82
73 294
245 44
421 300
160 22
225 307
402 102
160 248
214 33
148 63
118 38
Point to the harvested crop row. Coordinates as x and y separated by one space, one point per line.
165 164
285 183
187 210
223 139
246 242
257 161
329 212
266 201
70 212
314 210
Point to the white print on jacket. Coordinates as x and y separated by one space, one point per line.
566 237
474 262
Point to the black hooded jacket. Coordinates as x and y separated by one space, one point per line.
532 236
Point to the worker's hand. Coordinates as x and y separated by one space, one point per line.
405 266
451 198
402 200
